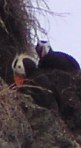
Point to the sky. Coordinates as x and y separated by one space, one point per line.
64 31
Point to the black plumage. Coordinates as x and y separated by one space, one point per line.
30 66
36 82
54 59
59 60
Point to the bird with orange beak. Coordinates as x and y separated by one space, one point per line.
23 66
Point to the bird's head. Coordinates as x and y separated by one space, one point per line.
23 66
42 48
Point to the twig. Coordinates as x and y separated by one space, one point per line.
38 87
49 11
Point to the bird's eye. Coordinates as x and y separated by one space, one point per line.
19 66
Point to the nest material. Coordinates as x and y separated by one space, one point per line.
15 20
16 23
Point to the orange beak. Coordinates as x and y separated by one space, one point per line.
19 79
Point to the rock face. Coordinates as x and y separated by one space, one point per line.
45 113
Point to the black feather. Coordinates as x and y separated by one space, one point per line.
29 65
59 60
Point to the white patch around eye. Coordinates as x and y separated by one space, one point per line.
45 47
19 68
22 56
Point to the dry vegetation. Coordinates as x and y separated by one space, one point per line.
24 123
17 21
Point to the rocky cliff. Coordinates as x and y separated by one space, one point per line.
42 116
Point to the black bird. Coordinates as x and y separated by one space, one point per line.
55 60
